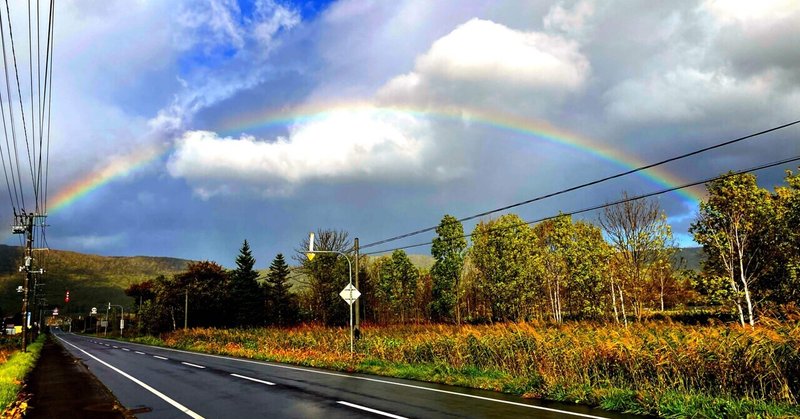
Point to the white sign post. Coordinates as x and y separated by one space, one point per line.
350 294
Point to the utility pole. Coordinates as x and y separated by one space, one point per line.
24 225
358 305
28 274
186 310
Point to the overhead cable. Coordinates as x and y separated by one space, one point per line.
596 207
587 184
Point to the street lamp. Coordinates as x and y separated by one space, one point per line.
122 317
350 293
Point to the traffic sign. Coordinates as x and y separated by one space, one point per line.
94 310
55 311
350 294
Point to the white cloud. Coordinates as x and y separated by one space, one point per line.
484 51
369 144
486 64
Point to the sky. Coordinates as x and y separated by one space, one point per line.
182 128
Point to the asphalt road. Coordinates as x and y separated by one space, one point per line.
155 382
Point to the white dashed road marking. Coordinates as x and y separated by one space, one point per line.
368 409
192 365
254 379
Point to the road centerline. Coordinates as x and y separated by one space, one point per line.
371 410
253 379
192 365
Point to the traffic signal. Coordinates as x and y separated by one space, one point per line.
66 298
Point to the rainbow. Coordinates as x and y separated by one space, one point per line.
535 129
116 168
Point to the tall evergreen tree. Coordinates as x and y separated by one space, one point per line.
448 250
245 291
281 305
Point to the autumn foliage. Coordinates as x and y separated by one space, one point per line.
651 362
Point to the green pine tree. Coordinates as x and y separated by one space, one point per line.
245 291
281 305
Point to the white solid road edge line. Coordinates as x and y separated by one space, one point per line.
376 411
163 396
160 357
192 365
253 379
375 380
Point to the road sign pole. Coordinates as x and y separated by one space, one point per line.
350 270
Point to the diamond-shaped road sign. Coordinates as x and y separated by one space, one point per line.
350 294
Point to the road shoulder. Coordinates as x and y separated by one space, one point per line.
61 386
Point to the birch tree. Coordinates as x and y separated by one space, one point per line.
733 227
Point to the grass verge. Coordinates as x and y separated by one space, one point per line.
12 376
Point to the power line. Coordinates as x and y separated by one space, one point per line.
21 199
21 107
30 70
621 201
47 89
584 185
49 95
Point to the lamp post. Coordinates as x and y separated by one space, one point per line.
122 317
310 254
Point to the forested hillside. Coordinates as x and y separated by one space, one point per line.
690 258
91 279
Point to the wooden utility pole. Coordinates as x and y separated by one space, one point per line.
186 310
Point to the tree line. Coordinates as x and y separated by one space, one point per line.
622 267
208 295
